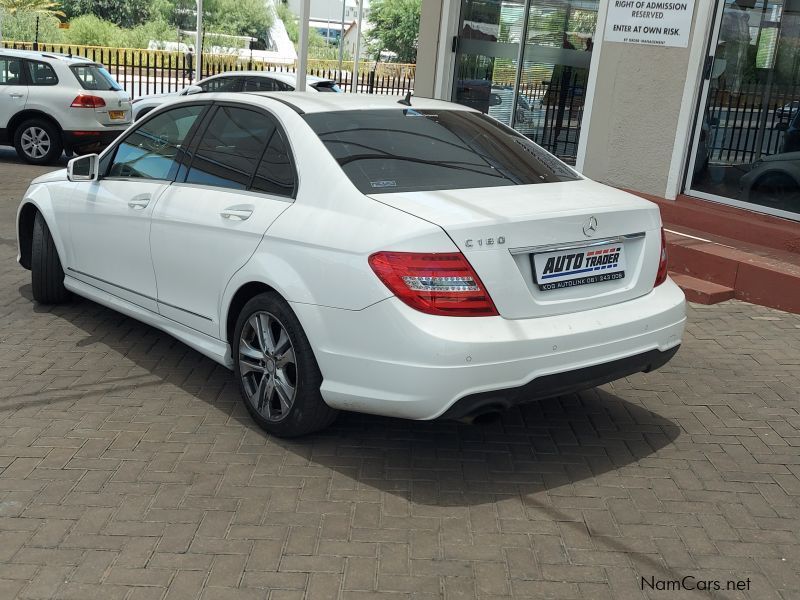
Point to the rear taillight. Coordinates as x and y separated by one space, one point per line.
661 276
434 283
86 101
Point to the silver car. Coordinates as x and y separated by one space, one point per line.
52 102
235 81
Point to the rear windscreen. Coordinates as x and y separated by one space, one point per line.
95 77
327 86
409 150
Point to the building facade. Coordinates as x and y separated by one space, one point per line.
686 97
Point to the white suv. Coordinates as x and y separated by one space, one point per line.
52 102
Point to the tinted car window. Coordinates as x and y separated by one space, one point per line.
230 148
327 86
10 71
40 73
260 84
275 174
94 77
151 150
222 84
407 150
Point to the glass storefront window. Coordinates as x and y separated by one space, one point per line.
526 63
748 139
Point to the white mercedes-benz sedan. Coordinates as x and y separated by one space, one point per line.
345 252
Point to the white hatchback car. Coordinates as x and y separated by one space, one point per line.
354 252
52 102
235 81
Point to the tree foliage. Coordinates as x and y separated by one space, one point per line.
42 7
395 27
124 13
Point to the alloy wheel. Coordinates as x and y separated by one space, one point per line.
35 142
267 366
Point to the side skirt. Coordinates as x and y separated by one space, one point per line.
215 349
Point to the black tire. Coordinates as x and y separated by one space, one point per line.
38 142
307 411
47 275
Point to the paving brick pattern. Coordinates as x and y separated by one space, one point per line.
130 470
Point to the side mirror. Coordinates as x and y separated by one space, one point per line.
193 89
84 168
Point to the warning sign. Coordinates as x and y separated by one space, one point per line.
649 22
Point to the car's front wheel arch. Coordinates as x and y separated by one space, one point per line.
27 216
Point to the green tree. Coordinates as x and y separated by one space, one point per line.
42 7
125 13
237 17
395 27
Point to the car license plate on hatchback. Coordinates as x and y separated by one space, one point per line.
116 115
579 266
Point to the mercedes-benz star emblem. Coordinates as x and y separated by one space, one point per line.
590 227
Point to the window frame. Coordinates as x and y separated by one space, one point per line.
191 151
238 78
107 160
23 74
29 63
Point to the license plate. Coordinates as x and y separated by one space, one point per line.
580 266
116 114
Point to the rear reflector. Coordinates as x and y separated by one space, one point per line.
86 101
661 275
436 283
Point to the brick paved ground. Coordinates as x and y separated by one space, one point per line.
129 470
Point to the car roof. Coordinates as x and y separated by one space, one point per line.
34 54
279 75
318 103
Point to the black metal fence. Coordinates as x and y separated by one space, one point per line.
142 72
741 127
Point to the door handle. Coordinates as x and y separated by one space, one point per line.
15 95
236 214
139 202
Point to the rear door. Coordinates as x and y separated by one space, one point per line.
13 92
97 81
239 178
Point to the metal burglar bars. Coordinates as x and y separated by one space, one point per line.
142 72
553 119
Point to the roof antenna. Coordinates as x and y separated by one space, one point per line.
407 100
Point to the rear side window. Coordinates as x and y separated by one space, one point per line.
409 150
230 148
261 84
10 71
40 73
222 84
95 77
275 174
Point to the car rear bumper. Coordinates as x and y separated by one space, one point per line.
92 140
391 360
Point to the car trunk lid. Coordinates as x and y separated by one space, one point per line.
501 230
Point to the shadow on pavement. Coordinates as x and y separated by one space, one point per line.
541 446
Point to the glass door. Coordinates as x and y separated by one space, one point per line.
488 55
526 63
746 149
555 71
